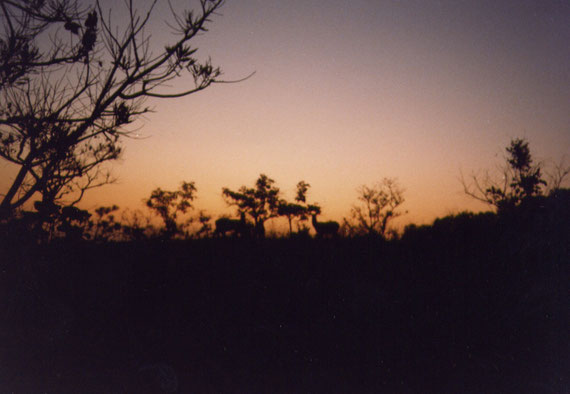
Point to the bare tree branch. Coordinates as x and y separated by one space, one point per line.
65 107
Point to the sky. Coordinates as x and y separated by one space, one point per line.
346 93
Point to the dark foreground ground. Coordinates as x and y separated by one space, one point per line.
458 310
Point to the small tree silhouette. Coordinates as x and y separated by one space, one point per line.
260 202
521 179
205 226
105 227
168 204
295 210
291 211
377 208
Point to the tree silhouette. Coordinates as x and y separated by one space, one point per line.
25 23
378 206
295 210
168 204
291 211
557 175
105 227
205 228
74 222
302 189
260 202
521 179
67 95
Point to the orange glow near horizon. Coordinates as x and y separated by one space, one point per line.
350 93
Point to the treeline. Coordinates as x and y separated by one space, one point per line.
377 206
473 302
522 184
176 211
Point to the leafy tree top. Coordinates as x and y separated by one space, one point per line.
520 179
168 204
260 202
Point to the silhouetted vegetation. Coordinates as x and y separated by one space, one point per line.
474 302
71 83
105 227
205 229
521 179
297 210
260 202
376 209
169 204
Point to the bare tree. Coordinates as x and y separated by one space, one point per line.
24 24
377 208
557 175
71 82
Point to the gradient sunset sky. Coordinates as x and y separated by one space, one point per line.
348 92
